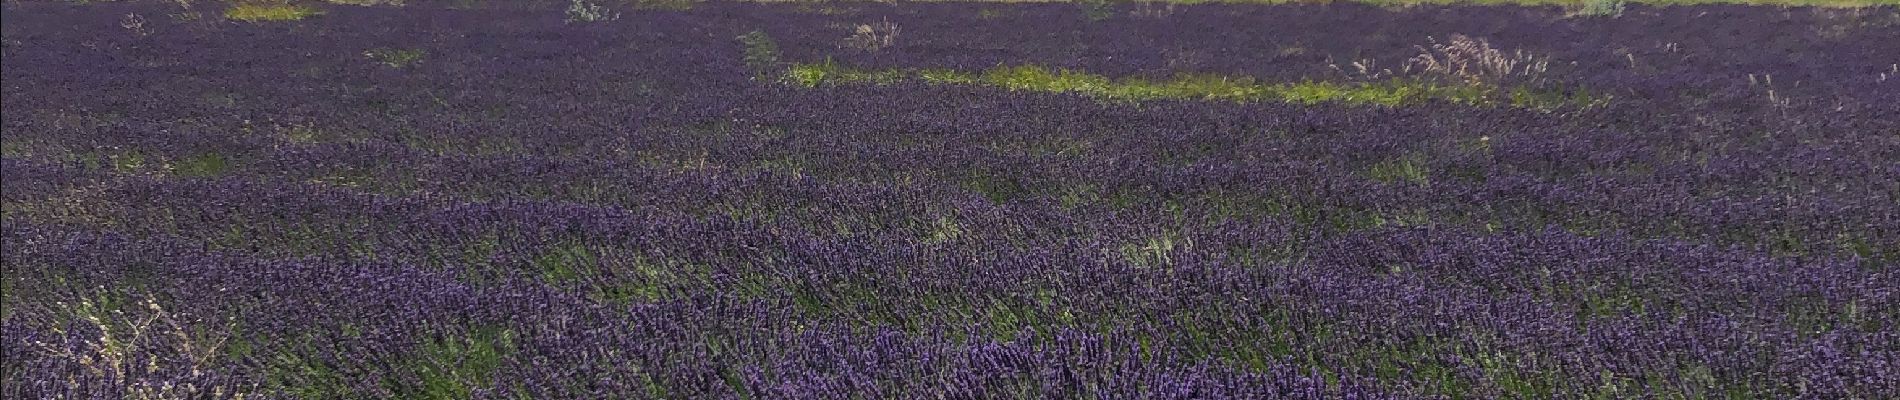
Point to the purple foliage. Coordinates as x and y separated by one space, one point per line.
543 209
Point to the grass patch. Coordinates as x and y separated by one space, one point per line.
452 366
258 12
395 58
565 261
610 277
202 166
1390 92
455 367
1601 8
1155 251
943 229
812 75
582 11
301 374
1403 169
998 188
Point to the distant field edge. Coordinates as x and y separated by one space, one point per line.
1384 3
1796 3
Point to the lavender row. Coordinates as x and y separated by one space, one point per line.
531 207
1353 280
1810 189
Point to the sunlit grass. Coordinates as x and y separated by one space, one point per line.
1388 92
256 12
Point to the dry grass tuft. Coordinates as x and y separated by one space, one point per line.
1475 61
131 343
873 36
135 23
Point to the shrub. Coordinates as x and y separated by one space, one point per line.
135 23
1602 8
1096 10
589 12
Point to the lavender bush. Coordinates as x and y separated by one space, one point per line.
446 203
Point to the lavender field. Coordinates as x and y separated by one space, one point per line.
624 200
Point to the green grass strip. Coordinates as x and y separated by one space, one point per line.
260 12
1390 92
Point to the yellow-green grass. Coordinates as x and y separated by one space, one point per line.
256 12
1390 92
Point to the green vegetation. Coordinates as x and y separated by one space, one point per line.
449 366
1389 92
455 367
395 58
566 261
632 277
1602 8
1154 251
303 375
274 11
581 11
761 53
1097 10
1405 169
202 166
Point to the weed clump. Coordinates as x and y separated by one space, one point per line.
395 58
1475 60
872 37
1601 8
582 11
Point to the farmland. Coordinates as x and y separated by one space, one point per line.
944 200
